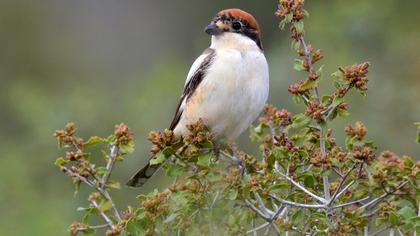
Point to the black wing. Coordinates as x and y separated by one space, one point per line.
192 85
142 175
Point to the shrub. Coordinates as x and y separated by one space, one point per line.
303 182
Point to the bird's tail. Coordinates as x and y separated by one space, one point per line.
142 175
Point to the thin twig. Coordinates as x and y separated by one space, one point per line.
308 58
106 218
112 157
351 203
262 205
378 232
380 198
320 199
296 204
344 189
276 228
338 172
256 210
93 227
343 180
74 174
254 230
101 190
215 199
108 197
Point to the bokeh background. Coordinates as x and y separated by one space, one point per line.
102 62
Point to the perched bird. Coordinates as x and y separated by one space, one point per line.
227 85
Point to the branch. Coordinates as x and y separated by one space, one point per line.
351 203
93 227
103 192
337 194
262 205
296 204
380 198
308 58
112 157
256 210
258 228
79 177
106 218
320 199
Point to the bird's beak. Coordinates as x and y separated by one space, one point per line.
212 29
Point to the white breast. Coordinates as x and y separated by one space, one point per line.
234 90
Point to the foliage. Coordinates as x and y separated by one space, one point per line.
304 182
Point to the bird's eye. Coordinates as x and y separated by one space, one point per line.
236 25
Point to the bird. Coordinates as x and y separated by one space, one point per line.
226 86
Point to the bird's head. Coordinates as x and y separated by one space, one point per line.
235 21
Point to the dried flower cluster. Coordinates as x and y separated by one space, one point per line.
277 117
160 140
65 136
123 135
293 7
356 75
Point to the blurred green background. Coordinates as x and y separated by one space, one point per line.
102 62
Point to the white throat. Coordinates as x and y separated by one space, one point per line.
230 40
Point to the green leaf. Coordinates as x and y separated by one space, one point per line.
205 159
77 184
320 233
101 170
277 152
338 75
134 228
408 162
141 197
113 184
60 162
300 120
298 217
93 141
295 46
307 85
380 221
393 218
158 159
88 231
299 26
127 148
325 98
296 98
325 172
337 101
343 113
418 137
287 19
85 219
214 177
298 65
232 194
406 212
258 129
174 170
309 180
105 206
168 151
